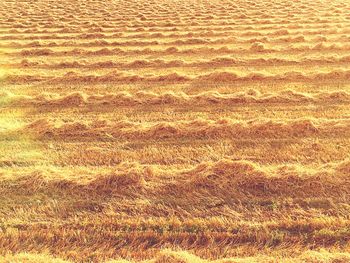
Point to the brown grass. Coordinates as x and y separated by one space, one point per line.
174 131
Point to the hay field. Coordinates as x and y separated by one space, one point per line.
175 131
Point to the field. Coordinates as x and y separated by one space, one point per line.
175 131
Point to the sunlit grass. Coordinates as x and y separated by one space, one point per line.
2 73
3 70
213 169
16 148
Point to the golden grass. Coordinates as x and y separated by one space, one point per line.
174 131
169 256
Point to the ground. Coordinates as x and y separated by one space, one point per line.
174 131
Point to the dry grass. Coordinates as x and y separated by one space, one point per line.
174 131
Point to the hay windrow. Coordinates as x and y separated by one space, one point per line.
174 131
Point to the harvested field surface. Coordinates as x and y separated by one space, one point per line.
175 131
